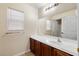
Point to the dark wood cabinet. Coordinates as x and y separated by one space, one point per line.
60 53
32 45
45 49
41 49
37 48
53 53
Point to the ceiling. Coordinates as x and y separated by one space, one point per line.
39 5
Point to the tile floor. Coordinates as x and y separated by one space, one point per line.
28 54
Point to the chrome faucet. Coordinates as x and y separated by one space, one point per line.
59 39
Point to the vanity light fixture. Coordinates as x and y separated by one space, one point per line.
52 5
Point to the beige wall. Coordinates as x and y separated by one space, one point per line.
42 26
63 14
17 43
2 20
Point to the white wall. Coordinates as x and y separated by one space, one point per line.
17 43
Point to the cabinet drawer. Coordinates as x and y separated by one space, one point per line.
61 53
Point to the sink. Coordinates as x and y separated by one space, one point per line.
67 44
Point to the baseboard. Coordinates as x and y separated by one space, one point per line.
21 53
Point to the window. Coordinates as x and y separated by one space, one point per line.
15 20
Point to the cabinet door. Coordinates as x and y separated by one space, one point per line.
53 52
37 48
45 50
32 45
61 53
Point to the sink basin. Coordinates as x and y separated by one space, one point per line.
64 43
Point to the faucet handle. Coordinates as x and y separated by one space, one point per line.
62 33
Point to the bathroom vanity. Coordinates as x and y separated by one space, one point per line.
43 46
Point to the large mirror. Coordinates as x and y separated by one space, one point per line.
65 27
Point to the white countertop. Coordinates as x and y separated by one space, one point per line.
67 45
